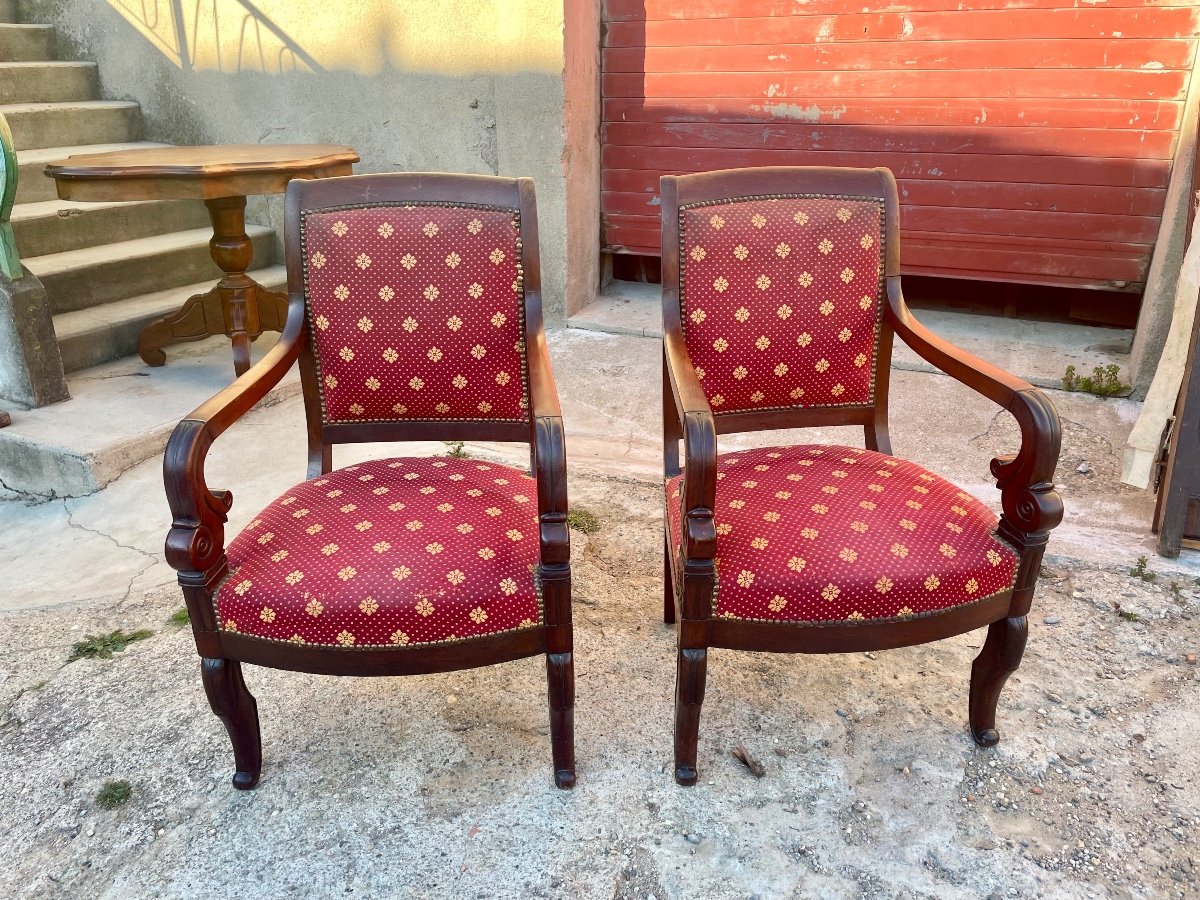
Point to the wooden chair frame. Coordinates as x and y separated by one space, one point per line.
195 545
1025 479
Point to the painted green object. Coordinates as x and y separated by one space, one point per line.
10 262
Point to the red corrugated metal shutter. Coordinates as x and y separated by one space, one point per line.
1032 139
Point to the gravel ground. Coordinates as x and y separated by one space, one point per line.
439 785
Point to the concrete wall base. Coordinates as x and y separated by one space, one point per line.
31 372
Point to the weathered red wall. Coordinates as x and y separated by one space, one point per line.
1032 139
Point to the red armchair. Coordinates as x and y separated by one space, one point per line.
415 312
781 296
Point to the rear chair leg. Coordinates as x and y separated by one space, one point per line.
668 584
691 672
560 676
235 706
999 658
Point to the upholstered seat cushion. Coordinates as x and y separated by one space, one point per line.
392 552
828 534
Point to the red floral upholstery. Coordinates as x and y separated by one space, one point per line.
826 533
781 300
390 552
416 312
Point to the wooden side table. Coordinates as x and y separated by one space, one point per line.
222 176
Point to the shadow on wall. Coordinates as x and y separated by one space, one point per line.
455 37
471 86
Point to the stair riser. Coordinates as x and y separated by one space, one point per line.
88 228
8 10
34 129
119 278
26 44
32 184
50 84
118 339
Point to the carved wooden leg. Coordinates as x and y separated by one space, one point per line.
238 306
560 676
200 317
668 584
999 658
235 706
691 672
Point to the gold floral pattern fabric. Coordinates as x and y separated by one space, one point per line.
781 300
394 552
416 312
822 534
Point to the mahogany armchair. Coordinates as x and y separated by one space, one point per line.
414 308
781 297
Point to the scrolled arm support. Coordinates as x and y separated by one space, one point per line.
1025 479
196 542
699 451
548 441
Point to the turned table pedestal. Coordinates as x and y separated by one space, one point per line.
222 176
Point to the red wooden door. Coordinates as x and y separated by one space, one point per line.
1032 139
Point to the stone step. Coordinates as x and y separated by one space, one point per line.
88 337
21 43
47 82
121 413
56 226
8 11
32 183
79 279
81 122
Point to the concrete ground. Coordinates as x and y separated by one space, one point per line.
439 785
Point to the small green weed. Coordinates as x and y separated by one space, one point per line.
114 794
456 450
103 646
1141 571
584 520
1127 615
1105 381
180 617
37 687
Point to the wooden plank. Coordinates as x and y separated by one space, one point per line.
973 85
950 25
1050 113
634 188
881 56
927 166
1096 142
1016 225
643 10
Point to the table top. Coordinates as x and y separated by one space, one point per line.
203 172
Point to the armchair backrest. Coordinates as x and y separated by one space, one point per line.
776 279
419 294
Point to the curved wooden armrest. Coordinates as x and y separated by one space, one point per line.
1025 479
699 449
549 454
197 537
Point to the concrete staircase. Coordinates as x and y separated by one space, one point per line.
108 268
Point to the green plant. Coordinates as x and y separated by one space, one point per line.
180 617
114 794
584 520
1128 615
1105 381
456 450
1141 571
103 646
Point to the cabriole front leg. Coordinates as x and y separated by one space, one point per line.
237 709
999 658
